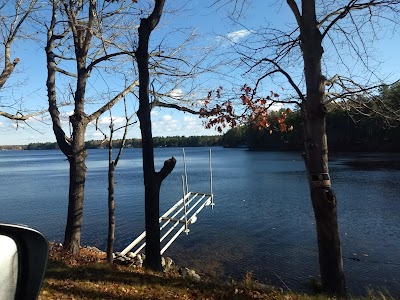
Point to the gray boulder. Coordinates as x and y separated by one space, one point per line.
191 274
169 262
162 261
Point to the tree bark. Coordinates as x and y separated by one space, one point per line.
77 185
79 122
152 179
152 251
111 208
316 156
324 205
74 147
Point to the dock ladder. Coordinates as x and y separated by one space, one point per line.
178 218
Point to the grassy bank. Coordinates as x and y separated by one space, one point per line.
90 277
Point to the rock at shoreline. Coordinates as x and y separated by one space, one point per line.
137 261
191 274
168 263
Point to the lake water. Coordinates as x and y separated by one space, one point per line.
262 221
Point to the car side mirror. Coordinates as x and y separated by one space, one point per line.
23 258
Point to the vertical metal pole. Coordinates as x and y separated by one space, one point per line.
184 170
211 183
184 205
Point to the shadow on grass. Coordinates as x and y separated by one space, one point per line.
101 281
82 293
99 272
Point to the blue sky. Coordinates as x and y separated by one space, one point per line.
212 25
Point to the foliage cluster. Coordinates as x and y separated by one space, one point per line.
346 132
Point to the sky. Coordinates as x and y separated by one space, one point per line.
214 26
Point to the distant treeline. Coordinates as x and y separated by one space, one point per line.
170 141
357 133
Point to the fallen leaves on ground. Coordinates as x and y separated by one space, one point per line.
89 276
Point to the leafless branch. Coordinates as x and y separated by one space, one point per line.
113 101
106 58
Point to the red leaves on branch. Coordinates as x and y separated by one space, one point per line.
254 111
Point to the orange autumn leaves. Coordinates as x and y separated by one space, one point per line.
254 110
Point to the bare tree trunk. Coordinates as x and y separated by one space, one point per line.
111 208
153 257
316 157
112 164
152 180
76 189
80 30
152 213
111 200
324 205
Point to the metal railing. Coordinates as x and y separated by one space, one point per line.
184 212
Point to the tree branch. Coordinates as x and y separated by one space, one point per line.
106 57
295 9
63 141
284 73
158 103
65 72
169 165
112 102
7 71
341 13
19 116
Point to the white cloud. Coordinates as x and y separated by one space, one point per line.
118 135
154 112
236 36
165 124
176 93
276 107
190 123
97 134
94 135
116 120
200 102
179 125
188 119
64 116
167 118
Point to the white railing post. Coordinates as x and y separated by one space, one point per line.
192 203
184 205
184 171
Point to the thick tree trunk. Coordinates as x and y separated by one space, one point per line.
76 188
111 211
316 157
152 251
74 147
324 205
152 186
152 180
152 212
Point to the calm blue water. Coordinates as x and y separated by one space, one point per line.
262 222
